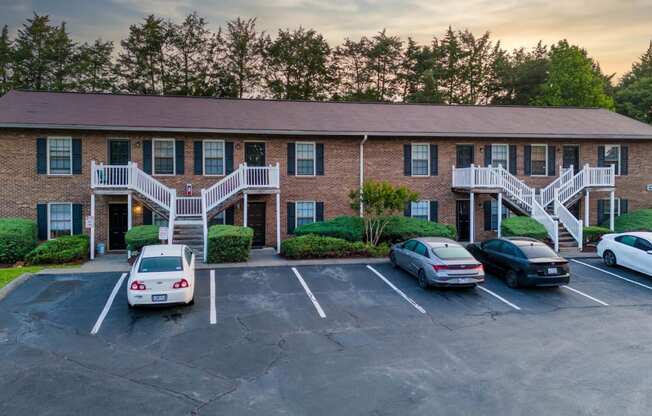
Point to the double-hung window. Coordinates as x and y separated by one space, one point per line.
500 155
420 159
163 156
305 159
539 159
420 210
305 212
60 156
612 157
59 220
494 214
213 157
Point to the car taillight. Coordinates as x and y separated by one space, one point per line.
440 267
136 285
181 284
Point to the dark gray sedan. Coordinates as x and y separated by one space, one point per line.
437 262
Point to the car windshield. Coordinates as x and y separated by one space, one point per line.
160 264
451 253
537 250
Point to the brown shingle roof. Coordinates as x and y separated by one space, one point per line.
157 113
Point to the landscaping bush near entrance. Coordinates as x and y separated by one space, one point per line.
67 249
140 236
314 246
18 237
593 233
229 243
523 227
639 220
348 228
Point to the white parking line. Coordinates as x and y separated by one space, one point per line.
497 296
312 297
586 296
107 306
612 274
397 290
213 309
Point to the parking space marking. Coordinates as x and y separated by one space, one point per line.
312 297
612 274
397 290
108 304
213 313
497 296
585 295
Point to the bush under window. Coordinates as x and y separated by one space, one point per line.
523 227
66 249
593 233
141 236
229 243
18 236
314 247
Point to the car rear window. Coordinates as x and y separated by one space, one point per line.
160 264
537 250
452 253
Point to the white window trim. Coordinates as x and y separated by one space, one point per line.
619 157
427 201
412 145
545 158
71 218
314 211
507 213
203 157
493 153
174 157
616 206
314 160
48 155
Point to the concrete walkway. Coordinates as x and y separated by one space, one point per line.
106 263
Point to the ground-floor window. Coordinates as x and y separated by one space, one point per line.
219 218
159 220
305 213
420 210
604 209
60 220
494 215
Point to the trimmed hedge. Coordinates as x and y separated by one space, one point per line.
639 220
18 236
140 236
348 228
229 243
523 227
593 233
65 249
314 247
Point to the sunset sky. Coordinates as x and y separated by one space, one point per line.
614 32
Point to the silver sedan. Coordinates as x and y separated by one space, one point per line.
438 262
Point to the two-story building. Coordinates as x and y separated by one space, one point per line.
101 163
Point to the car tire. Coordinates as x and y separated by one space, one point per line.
392 259
512 279
609 258
423 282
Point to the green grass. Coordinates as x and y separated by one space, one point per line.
7 275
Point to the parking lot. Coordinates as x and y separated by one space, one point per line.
326 340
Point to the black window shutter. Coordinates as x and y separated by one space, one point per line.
76 156
512 159
42 156
601 216
228 157
319 211
147 216
407 160
408 210
42 221
624 160
624 206
290 208
552 160
434 211
434 156
600 156
77 219
487 155
291 159
147 156
199 161
487 215
179 155
229 216
527 160
319 153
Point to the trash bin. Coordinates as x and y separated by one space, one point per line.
100 248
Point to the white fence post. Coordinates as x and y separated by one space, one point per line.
204 223
173 214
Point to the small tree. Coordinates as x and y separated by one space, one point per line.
379 201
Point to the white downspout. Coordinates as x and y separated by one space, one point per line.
362 171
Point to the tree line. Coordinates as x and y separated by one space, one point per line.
160 56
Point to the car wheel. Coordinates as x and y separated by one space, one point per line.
423 282
392 259
512 279
609 258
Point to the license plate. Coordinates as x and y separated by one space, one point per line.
159 298
465 280
552 270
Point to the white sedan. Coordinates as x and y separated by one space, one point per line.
163 274
631 250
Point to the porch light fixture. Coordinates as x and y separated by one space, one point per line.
138 209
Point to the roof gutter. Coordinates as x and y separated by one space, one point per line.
362 142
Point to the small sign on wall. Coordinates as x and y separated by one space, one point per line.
163 233
89 222
188 189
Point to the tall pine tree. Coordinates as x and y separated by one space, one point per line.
6 60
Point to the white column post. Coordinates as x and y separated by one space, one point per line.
500 213
245 210
472 175
611 209
93 226
278 222
472 217
587 204
129 216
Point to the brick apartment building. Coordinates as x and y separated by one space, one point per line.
119 160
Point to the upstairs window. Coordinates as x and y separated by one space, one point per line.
500 155
213 157
305 159
60 220
539 159
305 213
163 157
60 156
420 159
612 156
420 210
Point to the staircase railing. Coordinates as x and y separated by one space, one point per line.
548 193
189 206
515 188
574 225
550 224
587 177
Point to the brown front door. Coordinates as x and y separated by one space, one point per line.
256 220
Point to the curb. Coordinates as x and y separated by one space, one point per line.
14 284
289 263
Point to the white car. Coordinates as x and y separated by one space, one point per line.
163 274
631 250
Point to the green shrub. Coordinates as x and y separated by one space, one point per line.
229 243
593 233
64 249
523 227
313 247
639 220
346 227
18 236
140 236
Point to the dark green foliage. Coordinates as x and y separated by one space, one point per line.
593 233
348 228
313 246
229 243
140 236
17 238
70 248
639 220
523 227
